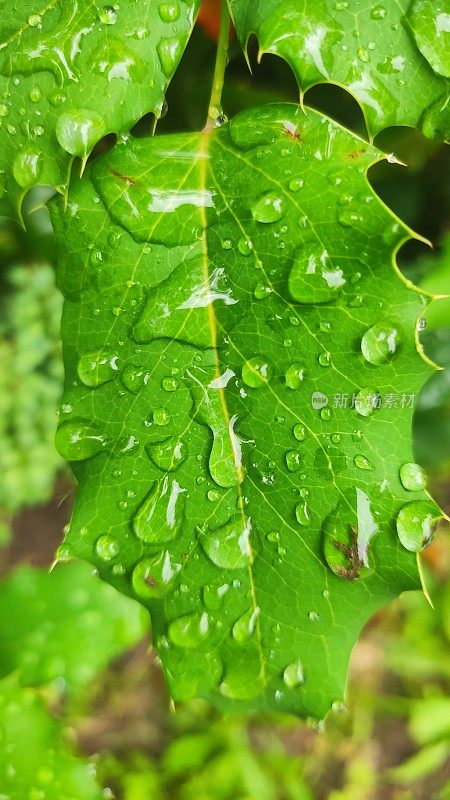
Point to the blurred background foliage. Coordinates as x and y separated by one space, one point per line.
84 713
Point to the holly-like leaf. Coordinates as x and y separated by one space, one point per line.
430 21
241 369
72 72
35 760
67 625
366 47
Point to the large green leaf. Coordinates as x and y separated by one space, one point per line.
227 295
35 760
71 72
364 46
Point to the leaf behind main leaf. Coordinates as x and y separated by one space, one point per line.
72 72
365 47
241 370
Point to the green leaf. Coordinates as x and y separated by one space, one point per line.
365 47
70 73
66 625
35 761
430 21
227 295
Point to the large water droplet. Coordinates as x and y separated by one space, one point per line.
169 52
153 577
225 459
169 12
169 454
415 525
107 547
293 674
189 631
380 342
97 368
79 129
161 515
270 207
229 546
256 372
244 627
347 534
78 439
413 477
313 279
27 166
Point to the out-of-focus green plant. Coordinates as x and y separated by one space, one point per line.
65 627
30 385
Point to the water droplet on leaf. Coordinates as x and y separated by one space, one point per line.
413 477
256 372
228 546
97 368
380 342
416 525
161 515
189 631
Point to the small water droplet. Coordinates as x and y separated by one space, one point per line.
108 15
35 94
34 20
296 184
256 372
366 401
378 12
228 546
169 384
416 525
302 514
213 595
107 547
95 369
27 166
189 631
293 675
134 378
262 290
293 460
244 627
153 576
245 246
161 515
294 376
270 207
313 278
380 342
299 432
324 359
362 462
413 477
161 416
